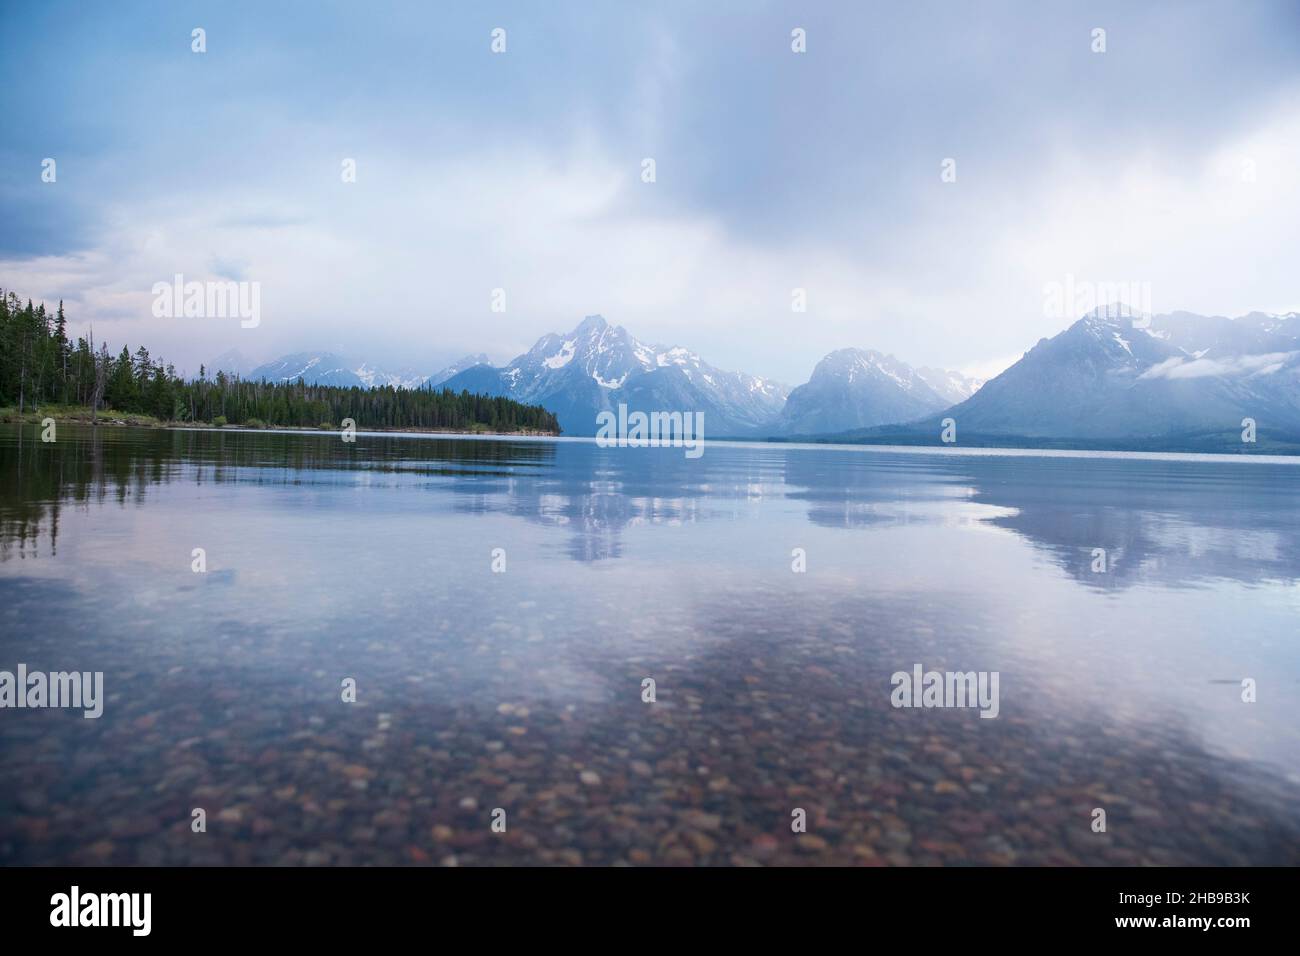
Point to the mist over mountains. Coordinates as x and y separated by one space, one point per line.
1112 376
856 388
328 368
1180 379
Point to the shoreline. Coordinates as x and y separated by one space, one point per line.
132 420
979 445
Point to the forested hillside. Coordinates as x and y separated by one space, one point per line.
40 365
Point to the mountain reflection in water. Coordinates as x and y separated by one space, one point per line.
521 690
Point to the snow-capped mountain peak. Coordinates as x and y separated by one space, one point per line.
598 365
403 378
952 387
319 368
858 388
1175 374
327 368
456 367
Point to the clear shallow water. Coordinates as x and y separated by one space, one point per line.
522 690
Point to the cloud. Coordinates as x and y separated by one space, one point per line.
1232 367
991 369
1169 160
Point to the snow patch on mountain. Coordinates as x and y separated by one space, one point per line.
562 357
456 367
859 388
598 365
1161 377
326 368
951 386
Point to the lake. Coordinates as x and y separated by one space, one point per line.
499 606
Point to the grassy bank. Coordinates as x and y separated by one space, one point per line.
76 414
80 415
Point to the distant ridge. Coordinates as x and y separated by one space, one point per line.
1114 378
1168 381
597 366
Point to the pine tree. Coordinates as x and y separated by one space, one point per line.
61 346
37 366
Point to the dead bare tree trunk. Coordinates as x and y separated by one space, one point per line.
100 363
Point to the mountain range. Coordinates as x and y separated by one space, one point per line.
856 388
327 368
1176 380
599 366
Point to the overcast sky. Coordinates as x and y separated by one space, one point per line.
1171 159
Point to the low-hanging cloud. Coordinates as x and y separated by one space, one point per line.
775 171
1178 367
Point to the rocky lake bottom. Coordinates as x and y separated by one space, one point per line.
498 606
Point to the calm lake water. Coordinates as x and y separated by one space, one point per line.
522 690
